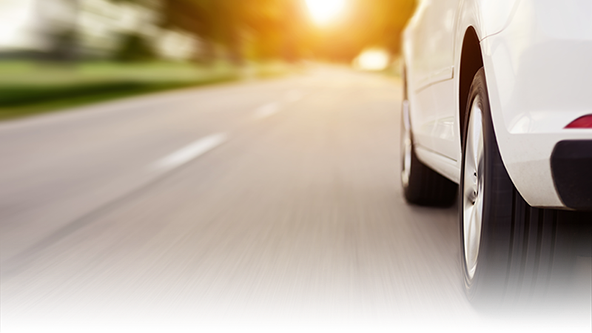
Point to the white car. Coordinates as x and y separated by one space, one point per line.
498 108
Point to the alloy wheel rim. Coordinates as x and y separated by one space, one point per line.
406 145
473 188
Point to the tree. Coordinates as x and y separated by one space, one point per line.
279 28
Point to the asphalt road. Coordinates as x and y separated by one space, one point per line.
256 206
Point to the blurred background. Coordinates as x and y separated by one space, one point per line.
66 52
263 196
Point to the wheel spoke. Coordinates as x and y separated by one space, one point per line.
473 188
476 224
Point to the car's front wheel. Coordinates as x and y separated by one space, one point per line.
510 251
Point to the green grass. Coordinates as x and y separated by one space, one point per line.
31 88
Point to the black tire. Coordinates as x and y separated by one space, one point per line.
523 251
421 185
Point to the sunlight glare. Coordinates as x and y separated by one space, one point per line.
324 11
372 60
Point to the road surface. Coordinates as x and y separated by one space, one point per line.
255 206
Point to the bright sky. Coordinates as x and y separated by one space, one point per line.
20 24
14 16
323 11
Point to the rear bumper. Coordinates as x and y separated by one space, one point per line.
571 166
539 79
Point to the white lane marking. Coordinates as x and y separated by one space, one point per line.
294 96
267 110
191 151
272 108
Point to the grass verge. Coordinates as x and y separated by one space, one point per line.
32 88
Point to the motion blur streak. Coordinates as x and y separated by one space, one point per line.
295 223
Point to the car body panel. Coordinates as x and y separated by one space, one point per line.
539 80
536 59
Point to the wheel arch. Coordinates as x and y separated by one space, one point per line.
471 61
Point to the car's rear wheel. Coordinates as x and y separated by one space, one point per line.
421 185
510 251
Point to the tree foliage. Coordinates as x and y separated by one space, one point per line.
255 29
283 28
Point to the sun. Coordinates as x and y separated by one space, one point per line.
323 11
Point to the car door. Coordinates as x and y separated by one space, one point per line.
432 67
